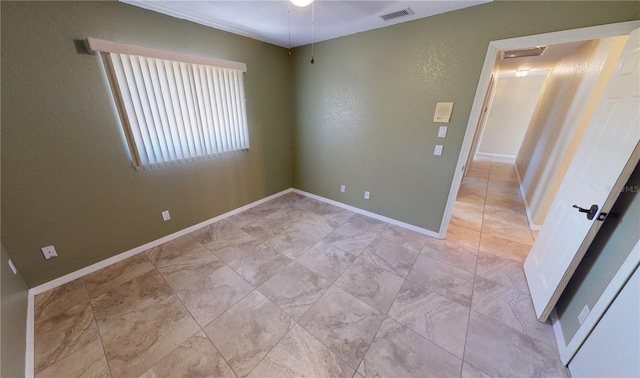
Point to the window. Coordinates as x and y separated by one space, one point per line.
175 106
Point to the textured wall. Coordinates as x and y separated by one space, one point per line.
66 177
363 112
510 114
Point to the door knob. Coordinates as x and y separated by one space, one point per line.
591 212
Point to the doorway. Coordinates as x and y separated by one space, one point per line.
568 36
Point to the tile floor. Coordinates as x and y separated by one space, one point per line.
296 287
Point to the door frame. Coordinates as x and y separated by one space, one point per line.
572 35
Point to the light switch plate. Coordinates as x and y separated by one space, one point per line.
443 112
165 215
442 132
438 150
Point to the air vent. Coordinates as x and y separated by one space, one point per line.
521 53
401 13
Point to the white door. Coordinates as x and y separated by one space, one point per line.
607 145
612 349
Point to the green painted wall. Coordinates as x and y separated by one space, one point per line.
605 256
14 320
363 112
66 177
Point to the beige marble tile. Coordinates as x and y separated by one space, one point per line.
390 256
252 215
294 289
478 172
444 279
291 243
299 354
343 323
111 308
511 307
60 299
351 238
370 284
183 261
88 361
62 335
326 260
467 215
234 251
505 248
436 318
147 336
463 236
504 271
507 231
248 331
398 352
500 351
505 204
220 234
273 225
454 254
213 295
408 239
314 224
361 223
197 357
500 215
114 275
469 371
259 265
473 189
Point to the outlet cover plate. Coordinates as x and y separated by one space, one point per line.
49 252
165 215
583 314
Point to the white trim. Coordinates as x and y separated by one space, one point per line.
557 330
132 252
369 214
492 155
30 344
572 35
630 264
102 45
29 356
527 210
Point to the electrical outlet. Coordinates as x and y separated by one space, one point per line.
438 150
366 195
583 314
342 188
442 132
49 252
165 215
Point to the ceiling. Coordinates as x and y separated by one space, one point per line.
269 21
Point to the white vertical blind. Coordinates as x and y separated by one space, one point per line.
175 110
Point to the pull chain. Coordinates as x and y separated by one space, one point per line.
312 31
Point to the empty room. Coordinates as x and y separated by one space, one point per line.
284 189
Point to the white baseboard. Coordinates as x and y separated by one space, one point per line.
369 214
29 355
499 156
527 210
